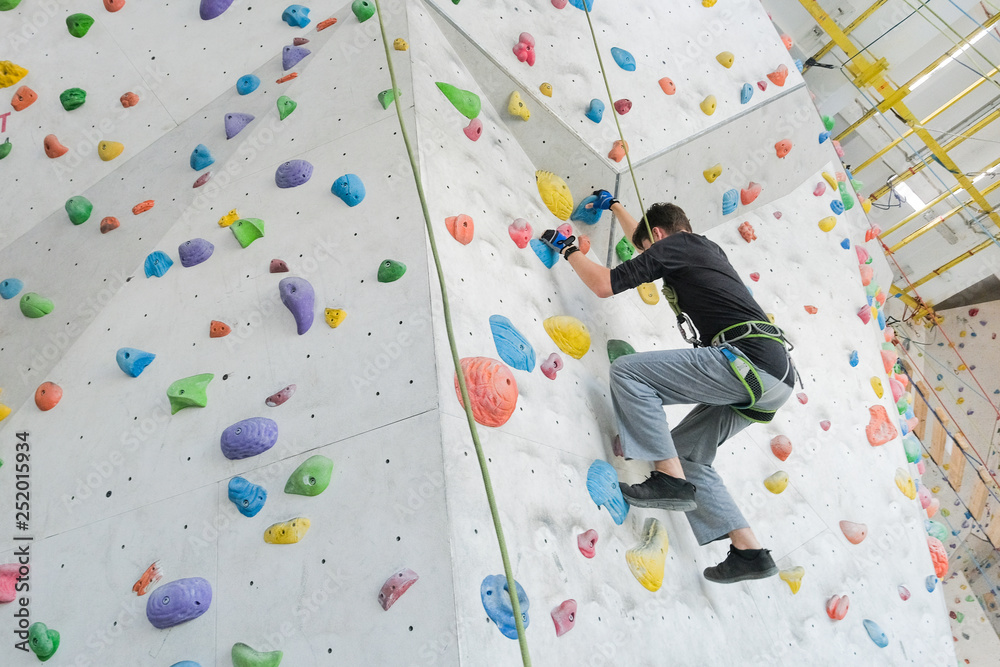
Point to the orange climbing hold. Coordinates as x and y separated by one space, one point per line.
938 556
747 232
837 606
52 147
584 243
879 430
129 100
492 389
750 193
323 25
461 227
148 578
618 150
778 76
287 77
889 359
781 446
113 5
143 206
47 396
872 232
218 329
867 275
109 224
783 147
854 532
23 98
812 310
668 86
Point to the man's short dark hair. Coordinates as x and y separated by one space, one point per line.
668 217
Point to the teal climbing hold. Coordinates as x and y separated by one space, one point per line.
579 4
496 601
876 633
730 200
132 361
157 263
602 484
467 103
624 59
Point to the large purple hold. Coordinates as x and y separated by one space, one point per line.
210 9
235 122
178 602
249 437
195 252
298 296
293 173
291 55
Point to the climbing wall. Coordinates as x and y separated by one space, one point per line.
117 482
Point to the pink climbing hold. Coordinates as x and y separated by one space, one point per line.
762 85
525 48
920 467
781 446
564 616
201 180
565 229
299 41
520 232
879 430
836 607
551 366
933 508
587 542
746 231
837 148
755 276
277 398
924 496
938 556
777 215
825 424
819 189
895 388
867 275
862 254
904 592
278 266
854 532
616 447
750 193
865 314
889 359
474 129
873 232
395 586
9 575
803 399
623 106
559 4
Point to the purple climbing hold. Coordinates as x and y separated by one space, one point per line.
293 173
235 122
211 9
299 297
395 586
292 55
178 602
249 437
194 252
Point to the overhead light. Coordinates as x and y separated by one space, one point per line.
909 197
965 47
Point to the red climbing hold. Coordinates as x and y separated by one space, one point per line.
750 193
47 396
53 148
865 314
148 578
492 388
584 243
288 77
872 232
278 266
525 48
395 586
623 106
755 276
825 424
973 312
803 399
879 430
279 397
812 310
564 616
587 542
113 5
746 231
781 446
836 607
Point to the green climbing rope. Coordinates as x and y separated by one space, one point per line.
512 589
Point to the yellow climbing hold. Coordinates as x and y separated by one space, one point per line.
546 89
866 204
960 400
516 106
334 316
287 532
793 578
712 173
708 3
400 44
726 59
828 223
962 367
229 218
4 411
569 334
770 317
905 484
877 386
10 73
830 179
708 105
555 193
777 482
648 293
109 150
647 560
961 334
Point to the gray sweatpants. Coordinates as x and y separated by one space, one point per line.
642 383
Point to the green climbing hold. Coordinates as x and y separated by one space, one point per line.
625 250
35 306
467 103
73 98
390 271
5 148
189 392
386 97
247 230
43 642
845 196
828 123
286 105
79 24
244 656
311 477
79 209
858 185
363 9
618 348
7 5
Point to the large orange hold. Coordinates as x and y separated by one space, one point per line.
778 76
879 430
52 147
47 396
783 147
219 329
667 86
129 100
492 388
461 227
938 556
23 98
113 5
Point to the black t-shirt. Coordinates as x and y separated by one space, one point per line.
708 290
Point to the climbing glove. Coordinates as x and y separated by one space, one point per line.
605 200
564 245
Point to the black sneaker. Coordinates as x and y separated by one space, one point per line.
661 491
739 568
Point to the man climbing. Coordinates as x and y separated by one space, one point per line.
738 372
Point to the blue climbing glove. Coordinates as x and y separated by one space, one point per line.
605 200
555 240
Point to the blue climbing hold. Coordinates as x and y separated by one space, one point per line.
579 4
903 427
881 320
247 84
547 255
588 216
846 244
292 55
248 497
186 663
940 377
496 602
157 263
823 136
876 633
201 157
296 16
132 361
746 93
513 348
730 200
11 288
595 111
349 188
854 358
798 65
623 58
602 483
837 206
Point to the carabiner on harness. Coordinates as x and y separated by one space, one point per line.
684 323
